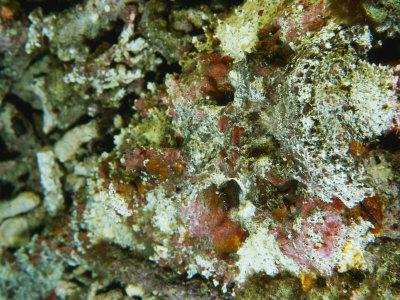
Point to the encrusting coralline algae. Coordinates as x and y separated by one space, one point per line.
215 149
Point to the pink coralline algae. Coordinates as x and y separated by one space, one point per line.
213 222
315 240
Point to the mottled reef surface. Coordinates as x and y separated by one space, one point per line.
208 149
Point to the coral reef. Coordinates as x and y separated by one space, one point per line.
199 150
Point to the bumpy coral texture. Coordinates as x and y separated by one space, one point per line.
299 163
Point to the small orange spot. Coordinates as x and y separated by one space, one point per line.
125 189
307 280
356 149
226 60
153 165
229 244
56 231
140 188
163 172
211 197
186 235
373 212
241 235
6 13
248 105
158 168
84 237
279 213
179 167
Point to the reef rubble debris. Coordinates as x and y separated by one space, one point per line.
214 149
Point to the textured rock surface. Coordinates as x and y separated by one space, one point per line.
50 175
23 203
199 150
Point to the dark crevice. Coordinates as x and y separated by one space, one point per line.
69 198
81 121
68 269
320 282
30 114
396 285
18 126
289 186
357 275
215 5
24 177
115 285
196 31
23 107
106 39
265 149
106 129
389 141
289 191
259 150
253 116
126 110
162 70
271 50
225 99
179 141
5 154
36 59
386 52
76 280
230 190
151 76
187 4
6 189
53 6
38 230
105 144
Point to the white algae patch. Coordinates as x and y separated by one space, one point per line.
50 174
261 253
69 144
23 203
245 23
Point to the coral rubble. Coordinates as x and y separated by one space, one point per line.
199 150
